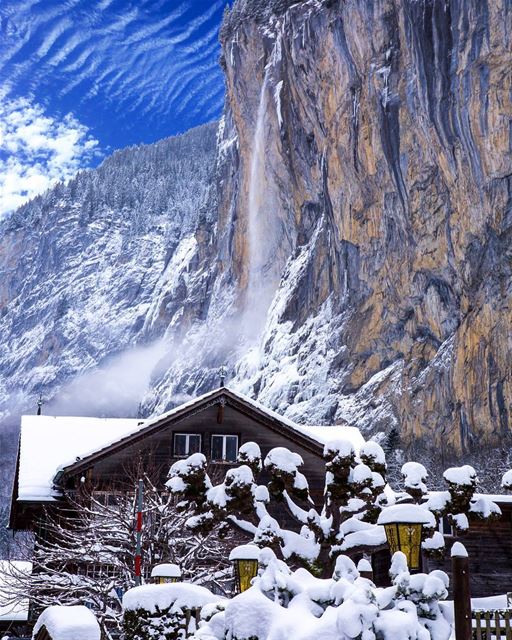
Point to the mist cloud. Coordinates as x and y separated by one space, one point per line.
114 389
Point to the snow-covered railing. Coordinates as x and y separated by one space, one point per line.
492 625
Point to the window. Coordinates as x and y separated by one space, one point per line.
186 444
224 448
445 527
105 498
96 571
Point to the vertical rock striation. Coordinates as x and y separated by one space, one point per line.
388 176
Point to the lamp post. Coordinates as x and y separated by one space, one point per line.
165 573
403 524
245 564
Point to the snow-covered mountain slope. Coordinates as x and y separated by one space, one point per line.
93 273
344 246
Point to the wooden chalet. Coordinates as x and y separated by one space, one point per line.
57 453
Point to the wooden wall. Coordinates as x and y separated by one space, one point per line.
489 547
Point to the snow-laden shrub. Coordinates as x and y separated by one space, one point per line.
250 454
166 611
62 623
353 499
415 476
284 604
460 504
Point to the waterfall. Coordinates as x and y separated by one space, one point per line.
261 235
255 213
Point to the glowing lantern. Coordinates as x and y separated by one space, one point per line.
245 563
164 573
403 524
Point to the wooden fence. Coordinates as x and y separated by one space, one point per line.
492 625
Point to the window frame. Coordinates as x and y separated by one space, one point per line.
187 443
224 437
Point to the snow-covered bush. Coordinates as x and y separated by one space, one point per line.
284 604
415 476
353 498
165 611
506 481
62 623
459 504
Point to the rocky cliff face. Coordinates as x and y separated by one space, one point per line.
384 211
344 246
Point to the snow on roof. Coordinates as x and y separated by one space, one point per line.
9 572
62 623
321 434
48 441
413 513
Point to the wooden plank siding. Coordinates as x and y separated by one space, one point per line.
489 547
158 449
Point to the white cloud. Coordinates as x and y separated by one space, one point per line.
36 151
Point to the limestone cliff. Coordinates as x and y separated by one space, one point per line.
384 208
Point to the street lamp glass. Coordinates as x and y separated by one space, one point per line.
245 571
166 580
405 537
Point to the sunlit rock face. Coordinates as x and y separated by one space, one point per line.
387 180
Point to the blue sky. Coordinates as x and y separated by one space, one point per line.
80 78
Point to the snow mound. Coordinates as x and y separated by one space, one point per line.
283 459
458 550
66 623
406 513
162 596
464 475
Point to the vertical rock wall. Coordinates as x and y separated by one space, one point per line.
388 175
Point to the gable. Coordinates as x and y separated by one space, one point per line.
53 449
157 448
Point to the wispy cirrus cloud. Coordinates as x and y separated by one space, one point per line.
117 59
36 150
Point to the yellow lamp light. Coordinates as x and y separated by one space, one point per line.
245 564
166 573
403 524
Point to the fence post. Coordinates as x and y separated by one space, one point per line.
461 592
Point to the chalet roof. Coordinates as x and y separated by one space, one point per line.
48 441
52 445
